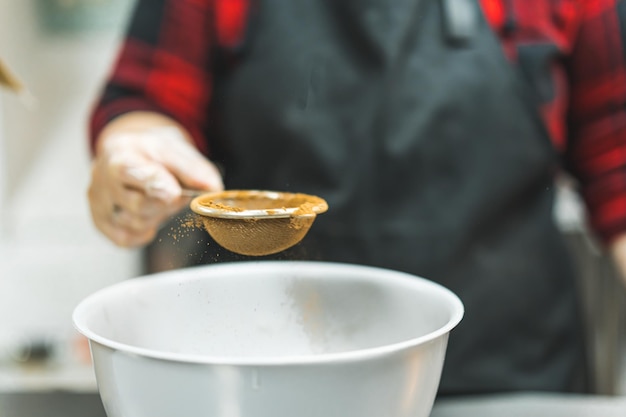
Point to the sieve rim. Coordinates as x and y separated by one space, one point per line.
319 205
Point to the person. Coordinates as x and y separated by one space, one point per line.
435 130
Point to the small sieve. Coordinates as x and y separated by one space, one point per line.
257 223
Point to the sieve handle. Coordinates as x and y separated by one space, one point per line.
192 193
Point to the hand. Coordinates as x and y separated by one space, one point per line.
137 177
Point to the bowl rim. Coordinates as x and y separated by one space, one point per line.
79 315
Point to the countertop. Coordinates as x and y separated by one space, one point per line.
531 405
67 404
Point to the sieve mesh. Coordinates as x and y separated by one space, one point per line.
257 237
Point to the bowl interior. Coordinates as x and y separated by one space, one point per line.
256 311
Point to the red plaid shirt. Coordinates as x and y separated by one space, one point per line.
573 53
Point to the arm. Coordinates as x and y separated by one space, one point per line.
597 147
163 67
147 130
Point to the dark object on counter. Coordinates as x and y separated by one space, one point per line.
36 351
51 404
525 404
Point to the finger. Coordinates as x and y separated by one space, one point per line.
197 173
105 221
132 222
149 177
127 230
100 202
189 166
139 223
147 207
137 203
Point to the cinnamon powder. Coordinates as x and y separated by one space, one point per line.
240 200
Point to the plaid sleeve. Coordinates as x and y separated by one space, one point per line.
162 66
597 143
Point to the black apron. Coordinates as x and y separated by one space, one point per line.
408 119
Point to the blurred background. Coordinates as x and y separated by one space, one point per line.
51 256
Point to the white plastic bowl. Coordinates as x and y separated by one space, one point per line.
269 339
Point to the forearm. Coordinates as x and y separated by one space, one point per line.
597 118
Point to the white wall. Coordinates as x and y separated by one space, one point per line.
51 256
